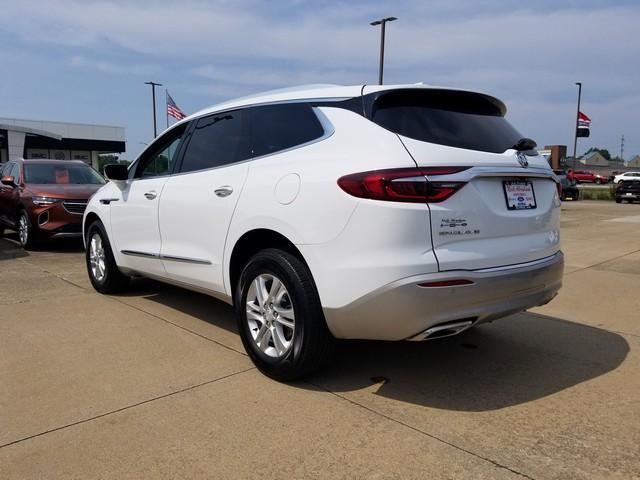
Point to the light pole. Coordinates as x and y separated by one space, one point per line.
153 100
575 139
382 22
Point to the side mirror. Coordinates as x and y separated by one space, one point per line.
8 180
116 172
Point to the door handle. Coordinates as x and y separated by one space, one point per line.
223 191
151 195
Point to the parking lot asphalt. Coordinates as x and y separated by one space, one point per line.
155 383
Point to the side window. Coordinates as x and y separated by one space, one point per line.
279 127
159 160
217 140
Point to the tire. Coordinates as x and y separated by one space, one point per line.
618 200
598 181
26 233
103 272
283 346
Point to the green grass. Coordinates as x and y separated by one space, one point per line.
606 192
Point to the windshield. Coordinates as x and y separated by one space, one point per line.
63 174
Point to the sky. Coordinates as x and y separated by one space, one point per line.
86 61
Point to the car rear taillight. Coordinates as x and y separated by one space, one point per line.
402 184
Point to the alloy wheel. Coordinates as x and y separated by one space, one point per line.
270 315
97 258
23 230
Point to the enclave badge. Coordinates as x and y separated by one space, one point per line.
522 159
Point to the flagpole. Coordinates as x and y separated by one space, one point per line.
166 105
575 139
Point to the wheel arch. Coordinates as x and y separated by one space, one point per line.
252 242
88 220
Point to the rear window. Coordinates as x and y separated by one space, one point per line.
456 119
52 174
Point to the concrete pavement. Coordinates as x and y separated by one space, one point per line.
155 384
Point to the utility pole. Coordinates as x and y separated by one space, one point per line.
575 132
382 22
622 148
153 101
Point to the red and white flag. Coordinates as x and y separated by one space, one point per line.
583 120
173 110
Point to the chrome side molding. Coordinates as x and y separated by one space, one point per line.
133 253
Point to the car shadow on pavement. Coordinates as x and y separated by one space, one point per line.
509 362
10 247
10 250
198 305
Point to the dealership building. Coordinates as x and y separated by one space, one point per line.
58 140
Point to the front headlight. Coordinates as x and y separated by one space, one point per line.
43 201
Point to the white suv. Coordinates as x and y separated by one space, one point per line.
364 212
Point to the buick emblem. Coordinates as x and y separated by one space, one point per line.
522 160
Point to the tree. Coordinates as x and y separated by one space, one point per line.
109 159
602 151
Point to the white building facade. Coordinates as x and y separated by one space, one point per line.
20 138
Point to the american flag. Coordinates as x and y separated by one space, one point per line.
173 110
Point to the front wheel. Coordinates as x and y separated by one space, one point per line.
26 235
104 274
280 318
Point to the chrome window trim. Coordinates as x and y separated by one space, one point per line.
327 126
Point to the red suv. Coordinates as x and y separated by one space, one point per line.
589 176
45 198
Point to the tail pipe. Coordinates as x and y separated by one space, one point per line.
445 329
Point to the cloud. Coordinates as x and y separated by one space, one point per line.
529 54
105 66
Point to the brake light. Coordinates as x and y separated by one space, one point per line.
402 184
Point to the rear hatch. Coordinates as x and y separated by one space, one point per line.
629 188
505 209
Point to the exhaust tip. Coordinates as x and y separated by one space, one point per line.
445 329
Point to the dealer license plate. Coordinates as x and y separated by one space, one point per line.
519 194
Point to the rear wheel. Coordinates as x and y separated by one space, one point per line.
618 200
280 318
104 274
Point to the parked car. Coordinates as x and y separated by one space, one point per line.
364 212
628 190
44 199
582 176
626 176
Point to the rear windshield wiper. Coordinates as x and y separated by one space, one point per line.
525 144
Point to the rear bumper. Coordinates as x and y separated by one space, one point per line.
403 310
624 196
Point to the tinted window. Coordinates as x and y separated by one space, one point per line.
458 119
278 127
53 174
218 140
161 158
